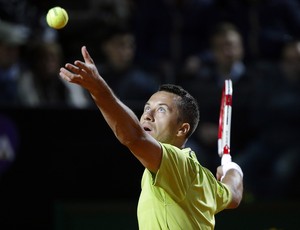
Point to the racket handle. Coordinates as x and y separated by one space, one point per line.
231 165
225 159
220 149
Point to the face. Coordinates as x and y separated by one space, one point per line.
120 51
228 48
161 117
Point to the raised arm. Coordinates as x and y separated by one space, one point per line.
119 117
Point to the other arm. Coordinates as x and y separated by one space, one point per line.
233 178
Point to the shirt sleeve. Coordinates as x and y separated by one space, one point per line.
181 175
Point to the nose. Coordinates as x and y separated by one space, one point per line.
148 116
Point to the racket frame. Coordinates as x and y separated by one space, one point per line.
224 132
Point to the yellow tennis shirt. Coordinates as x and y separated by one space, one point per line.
181 195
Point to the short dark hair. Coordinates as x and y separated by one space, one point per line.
188 106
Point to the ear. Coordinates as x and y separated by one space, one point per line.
184 129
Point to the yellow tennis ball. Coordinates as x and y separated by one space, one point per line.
57 17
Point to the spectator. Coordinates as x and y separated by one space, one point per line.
40 86
129 81
264 24
276 151
93 18
169 32
13 37
29 14
227 61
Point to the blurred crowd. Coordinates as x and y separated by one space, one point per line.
139 44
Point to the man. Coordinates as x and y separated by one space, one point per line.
177 192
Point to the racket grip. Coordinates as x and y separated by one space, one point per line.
220 150
231 165
225 159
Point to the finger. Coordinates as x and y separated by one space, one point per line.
64 74
73 68
70 73
219 173
80 67
218 176
86 56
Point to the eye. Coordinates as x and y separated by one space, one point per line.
161 109
147 108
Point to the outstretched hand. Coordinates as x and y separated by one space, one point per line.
82 73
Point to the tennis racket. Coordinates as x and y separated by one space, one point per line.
225 122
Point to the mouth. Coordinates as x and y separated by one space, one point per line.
147 129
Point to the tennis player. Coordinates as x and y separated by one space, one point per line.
177 192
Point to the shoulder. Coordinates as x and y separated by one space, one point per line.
182 159
171 150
